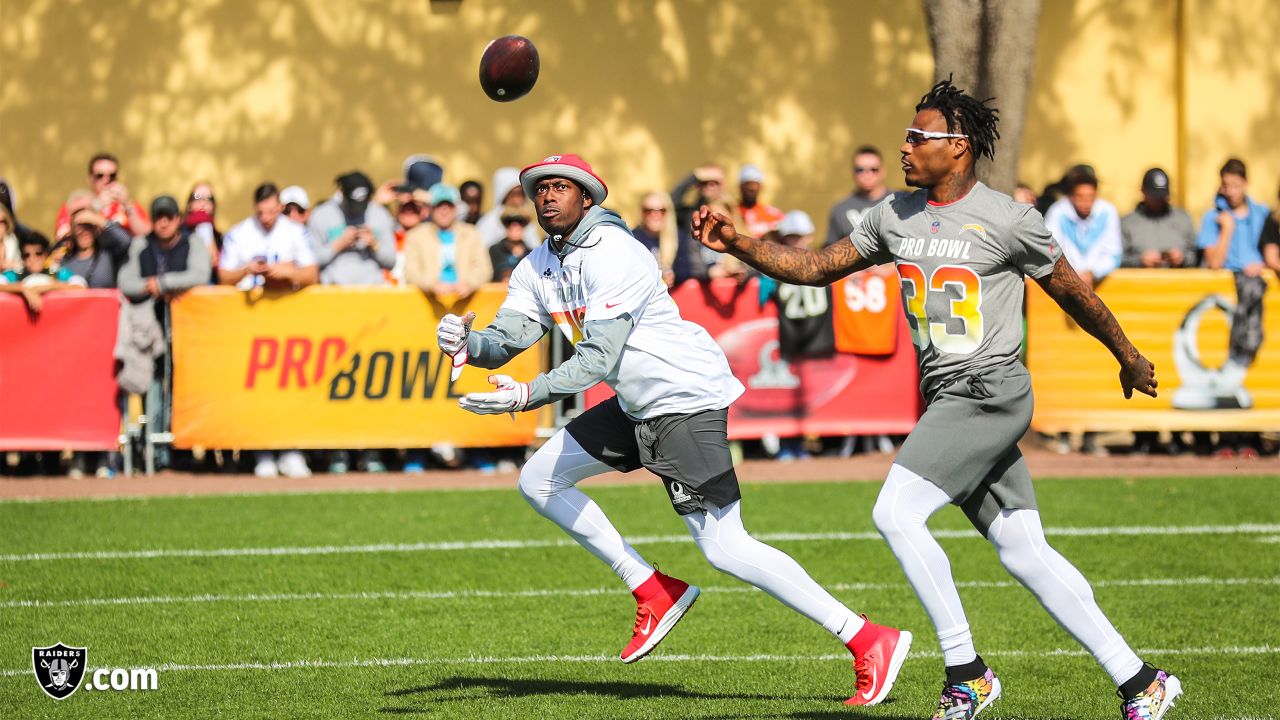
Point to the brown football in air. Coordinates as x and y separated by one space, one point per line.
508 68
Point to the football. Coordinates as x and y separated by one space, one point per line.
508 68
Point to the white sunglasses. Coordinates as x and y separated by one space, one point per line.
916 136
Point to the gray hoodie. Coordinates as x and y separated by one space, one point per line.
593 357
490 224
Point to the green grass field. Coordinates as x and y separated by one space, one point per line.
467 604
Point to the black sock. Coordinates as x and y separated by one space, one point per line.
973 670
1129 689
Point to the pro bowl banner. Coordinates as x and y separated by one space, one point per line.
1179 319
57 372
844 394
330 367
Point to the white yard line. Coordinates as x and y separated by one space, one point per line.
580 592
609 659
495 544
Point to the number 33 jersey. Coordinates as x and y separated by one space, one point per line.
669 365
962 266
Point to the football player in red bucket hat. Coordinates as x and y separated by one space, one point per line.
669 414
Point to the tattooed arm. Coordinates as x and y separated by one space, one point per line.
799 266
1082 304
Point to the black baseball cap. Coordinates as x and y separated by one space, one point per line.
1156 183
356 188
165 206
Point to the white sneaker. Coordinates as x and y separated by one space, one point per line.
294 465
266 467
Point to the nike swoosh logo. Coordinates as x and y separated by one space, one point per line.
648 626
871 691
607 306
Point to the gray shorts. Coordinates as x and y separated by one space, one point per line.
690 453
967 443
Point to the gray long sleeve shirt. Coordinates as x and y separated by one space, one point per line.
134 286
1142 231
354 265
511 333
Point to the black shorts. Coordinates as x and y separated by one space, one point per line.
690 453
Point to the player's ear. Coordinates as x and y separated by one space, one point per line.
960 147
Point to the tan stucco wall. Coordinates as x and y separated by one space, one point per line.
296 92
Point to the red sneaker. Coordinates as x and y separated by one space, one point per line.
660 603
878 652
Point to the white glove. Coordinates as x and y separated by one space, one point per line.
451 334
510 396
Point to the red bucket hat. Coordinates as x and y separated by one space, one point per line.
566 166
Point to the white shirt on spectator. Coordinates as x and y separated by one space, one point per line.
1090 244
286 242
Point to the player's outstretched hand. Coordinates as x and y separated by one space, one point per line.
451 333
1138 373
509 396
714 230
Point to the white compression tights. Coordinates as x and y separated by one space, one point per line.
905 504
547 482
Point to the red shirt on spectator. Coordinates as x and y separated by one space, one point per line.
115 212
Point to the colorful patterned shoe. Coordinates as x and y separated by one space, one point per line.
1152 703
963 701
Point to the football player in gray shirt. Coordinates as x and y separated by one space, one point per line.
963 251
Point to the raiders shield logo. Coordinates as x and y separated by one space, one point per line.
59 669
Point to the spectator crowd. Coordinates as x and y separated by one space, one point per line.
421 231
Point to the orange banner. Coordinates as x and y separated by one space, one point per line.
330 367
1179 319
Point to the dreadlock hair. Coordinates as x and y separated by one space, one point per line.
972 116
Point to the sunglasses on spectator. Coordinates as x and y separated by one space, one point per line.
201 196
653 210
106 176
915 136
293 209
861 170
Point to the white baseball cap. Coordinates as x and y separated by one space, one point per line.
796 222
750 173
295 195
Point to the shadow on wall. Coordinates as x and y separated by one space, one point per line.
1122 50
1052 137
238 92
1248 118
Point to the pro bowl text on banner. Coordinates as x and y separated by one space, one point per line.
57 372
330 367
1179 319
843 394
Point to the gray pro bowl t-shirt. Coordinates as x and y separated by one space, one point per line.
962 266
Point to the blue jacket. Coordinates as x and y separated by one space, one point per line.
1244 240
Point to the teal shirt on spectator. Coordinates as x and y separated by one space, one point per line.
62 275
448 257
1244 239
